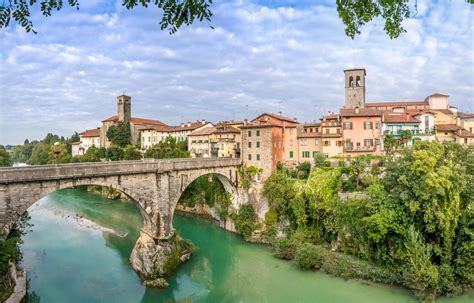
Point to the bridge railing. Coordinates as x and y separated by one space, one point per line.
91 169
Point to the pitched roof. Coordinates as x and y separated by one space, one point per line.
399 118
438 95
276 116
90 133
395 103
189 126
447 127
444 111
260 124
226 129
464 133
331 117
76 143
158 128
206 131
360 112
136 121
465 115
317 124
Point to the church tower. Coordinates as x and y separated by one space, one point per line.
124 105
355 87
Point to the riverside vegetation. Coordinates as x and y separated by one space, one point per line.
414 228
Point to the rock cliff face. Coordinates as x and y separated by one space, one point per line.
155 259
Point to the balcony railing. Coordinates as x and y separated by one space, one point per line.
414 132
351 148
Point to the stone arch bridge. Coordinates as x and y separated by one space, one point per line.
154 185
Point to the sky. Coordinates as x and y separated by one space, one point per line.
261 56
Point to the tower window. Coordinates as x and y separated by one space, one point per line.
358 81
351 81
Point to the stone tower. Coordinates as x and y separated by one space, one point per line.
124 106
355 87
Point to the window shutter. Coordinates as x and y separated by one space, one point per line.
365 125
371 125
350 125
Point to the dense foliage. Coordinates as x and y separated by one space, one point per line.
245 220
119 134
417 220
167 148
207 190
5 159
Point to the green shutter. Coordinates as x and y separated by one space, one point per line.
258 157
291 154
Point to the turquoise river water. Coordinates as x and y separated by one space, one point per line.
78 249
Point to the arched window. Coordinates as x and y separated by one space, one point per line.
351 81
358 81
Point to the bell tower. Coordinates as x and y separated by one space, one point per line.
355 87
124 108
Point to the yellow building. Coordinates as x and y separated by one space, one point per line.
225 141
331 136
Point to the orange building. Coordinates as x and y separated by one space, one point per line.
361 131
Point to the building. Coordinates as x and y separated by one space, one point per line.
331 136
124 113
263 142
199 143
309 142
466 121
361 130
395 124
88 138
153 134
225 141
355 87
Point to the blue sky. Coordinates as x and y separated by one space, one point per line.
270 56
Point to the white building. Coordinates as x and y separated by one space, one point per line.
90 137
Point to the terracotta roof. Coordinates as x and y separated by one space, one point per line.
360 112
276 116
203 132
309 135
189 126
438 95
158 128
226 129
465 115
137 121
399 118
76 143
260 124
447 127
395 103
331 117
444 111
464 133
90 133
417 112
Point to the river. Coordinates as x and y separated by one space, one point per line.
78 249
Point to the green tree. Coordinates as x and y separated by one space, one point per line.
167 148
245 220
58 153
5 159
405 137
92 155
320 160
132 153
120 134
114 153
40 154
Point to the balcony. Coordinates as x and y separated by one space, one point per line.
352 148
414 132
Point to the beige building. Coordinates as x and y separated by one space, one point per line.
88 138
199 143
225 141
331 136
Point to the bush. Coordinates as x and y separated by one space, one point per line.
245 220
310 256
286 248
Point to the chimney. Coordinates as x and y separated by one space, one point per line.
246 121
279 114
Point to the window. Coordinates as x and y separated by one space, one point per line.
339 143
250 133
291 131
250 157
377 125
250 144
258 157
347 125
338 131
358 81
314 154
291 142
316 142
327 130
351 81
427 122
327 143
258 144
303 142
377 141
305 154
368 142
291 154
258 133
367 125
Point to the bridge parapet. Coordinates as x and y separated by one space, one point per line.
95 169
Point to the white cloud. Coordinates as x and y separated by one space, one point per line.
258 58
